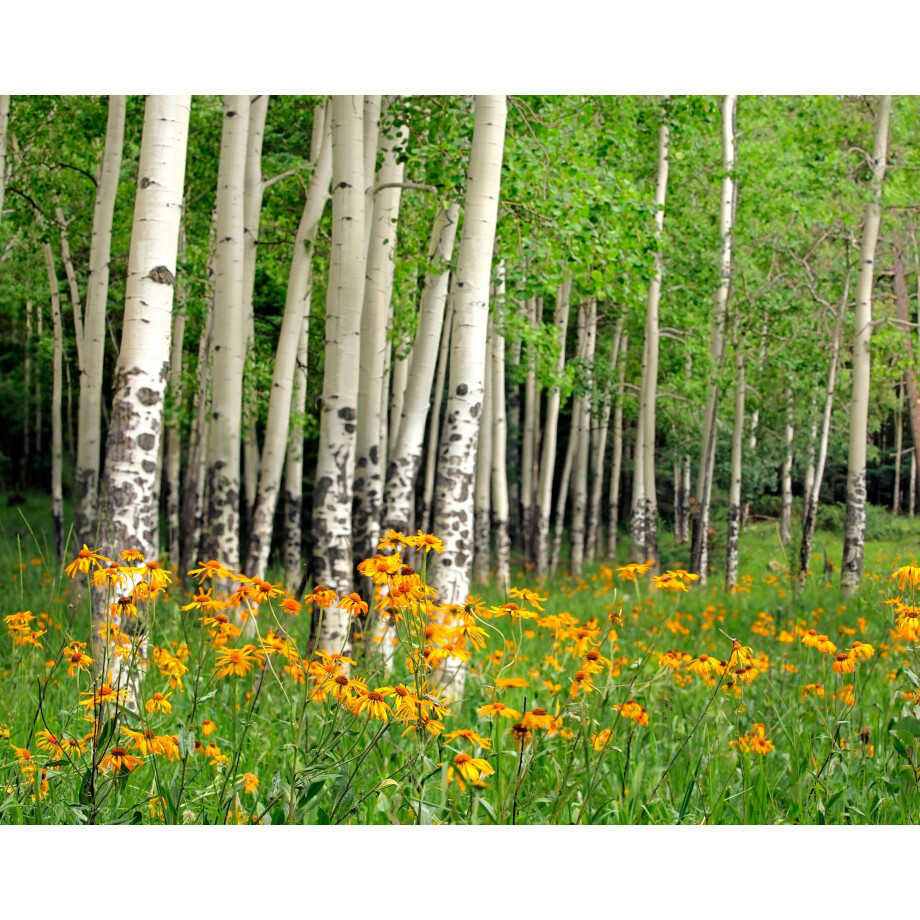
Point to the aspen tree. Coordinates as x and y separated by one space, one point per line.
550 433
450 573
734 491
426 510
583 450
898 449
378 292
57 450
418 402
4 131
613 500
500 508
482 494
335 464
785 513
296 306
221 531
699 557
92 336
854 537
300 281
173 445
534 309
910 378
136 423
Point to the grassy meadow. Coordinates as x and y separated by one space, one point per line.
617 698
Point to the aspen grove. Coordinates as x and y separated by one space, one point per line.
352 384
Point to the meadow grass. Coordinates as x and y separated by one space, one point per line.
601 699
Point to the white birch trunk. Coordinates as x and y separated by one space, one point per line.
580 472
855 529
89 432
898 448
529 438
613 499
135 428
699 557
296 311
734 491
482 505
57 441
434 422
221 529
335 464
450 575
500 509
550 435
4 131
785 514
378 291
406 450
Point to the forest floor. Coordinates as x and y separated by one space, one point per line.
612 698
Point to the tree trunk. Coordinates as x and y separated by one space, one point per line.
4 131
500 441
855 531
898 448
580 491
550 434
910 378
598 454
649 386
810 512
482 505
426 511
221 529
296 311
335 464
406 450
89 429
699 557
173 447
533 309
133 442
613 500
57 448
785 514
378 291
457 456
734 492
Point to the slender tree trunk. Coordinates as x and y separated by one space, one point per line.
699 557
73 286
378 291
910 378
529 437
457 455
550 434
301 282
500 441
173 439
649 386
598 454
482 505
613 500
221 534
27 386
4 131
253 192
580 491
135 428
89 429
296 311
426 511
855 531
406 449
898 448
812 497
734 492
57 448
913 482
335 464
785 514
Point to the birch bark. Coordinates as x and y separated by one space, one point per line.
482 505
500 442
613 500
335 465
221 529
580 490
89 433
854 537
734 491
57 441
453 519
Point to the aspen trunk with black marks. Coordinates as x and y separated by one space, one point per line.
500 508
734 490
136 423
813 494
173 441
450 573
406 449
221 526
57 442
335 463
533 309
74 288
426 509
580 470
699 555
598 453
89 411
898 449
854 536
649 385
785 512
550 435
300 281
372 389
616 468
296 312
482 493
253 192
